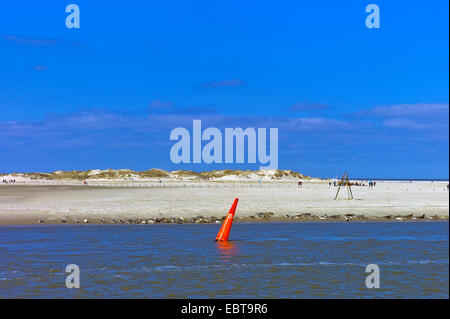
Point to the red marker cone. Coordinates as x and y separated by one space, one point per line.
224 231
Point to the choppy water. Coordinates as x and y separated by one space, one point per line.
270 260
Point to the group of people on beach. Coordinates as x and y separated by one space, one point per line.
10 181
371 184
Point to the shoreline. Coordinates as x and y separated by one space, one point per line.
243 220
187 202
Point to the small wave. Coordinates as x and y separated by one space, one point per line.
215 267
119 271
421 261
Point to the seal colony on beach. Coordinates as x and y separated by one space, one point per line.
268 217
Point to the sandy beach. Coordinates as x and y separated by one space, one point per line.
208 202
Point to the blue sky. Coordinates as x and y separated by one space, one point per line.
373 102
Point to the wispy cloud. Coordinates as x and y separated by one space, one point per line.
420 110
158 105
223 84
98 137
421 116
194 110
413 124
169 107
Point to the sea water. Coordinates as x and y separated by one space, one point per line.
261 260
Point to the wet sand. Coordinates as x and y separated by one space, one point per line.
208 202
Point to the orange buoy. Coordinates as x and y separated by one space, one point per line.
224 231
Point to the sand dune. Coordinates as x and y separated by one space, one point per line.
155 174
205 201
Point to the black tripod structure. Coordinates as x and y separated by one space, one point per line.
344 182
